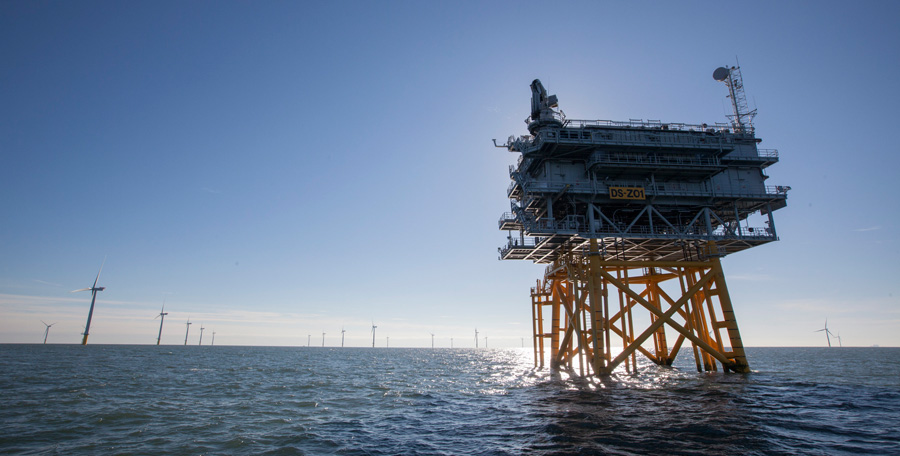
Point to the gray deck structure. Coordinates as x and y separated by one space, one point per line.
646 190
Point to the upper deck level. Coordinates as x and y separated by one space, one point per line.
643 182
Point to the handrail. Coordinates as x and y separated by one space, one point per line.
652 160
652 125
532 186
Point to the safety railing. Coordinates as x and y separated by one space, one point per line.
653 160
651 125
543 186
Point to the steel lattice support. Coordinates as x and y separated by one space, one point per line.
596 305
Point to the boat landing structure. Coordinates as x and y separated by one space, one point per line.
632 219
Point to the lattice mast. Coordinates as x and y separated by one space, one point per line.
632 219
742 117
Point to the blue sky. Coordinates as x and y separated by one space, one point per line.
279 169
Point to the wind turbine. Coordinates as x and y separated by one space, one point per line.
476 337
214 339
94 289
308 338
188 325
451 342
485 341
840 344
161 316
432 340
828 333
323 339
342 336
373 334
47 331
388 342
201 334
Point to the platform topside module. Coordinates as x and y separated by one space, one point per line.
643 189
633 218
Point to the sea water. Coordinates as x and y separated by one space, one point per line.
106 399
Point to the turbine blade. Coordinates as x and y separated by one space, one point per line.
80 289
98 272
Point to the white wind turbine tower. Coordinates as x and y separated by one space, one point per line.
94 289
188 330
323 339
213 339
373 334
432 340
201 334
828 333
47 331
476 337
342 336
162 317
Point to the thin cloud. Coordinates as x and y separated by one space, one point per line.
872 228
751 277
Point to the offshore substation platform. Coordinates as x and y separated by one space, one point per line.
631 219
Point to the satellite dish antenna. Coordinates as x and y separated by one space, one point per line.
721 74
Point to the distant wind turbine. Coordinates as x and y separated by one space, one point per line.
47 331
323 339
388 342
201 334
432 340
188 330
94 289
828 333
342 336
485 341
476 337
373 334
162 317
213 339
451 342
308 339
840 344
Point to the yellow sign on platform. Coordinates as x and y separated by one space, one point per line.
631 193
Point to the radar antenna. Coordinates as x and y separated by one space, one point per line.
742 119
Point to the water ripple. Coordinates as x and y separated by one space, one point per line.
59 399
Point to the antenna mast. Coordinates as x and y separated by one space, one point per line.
742 119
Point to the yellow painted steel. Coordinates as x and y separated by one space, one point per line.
670 302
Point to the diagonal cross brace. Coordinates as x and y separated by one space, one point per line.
664 318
